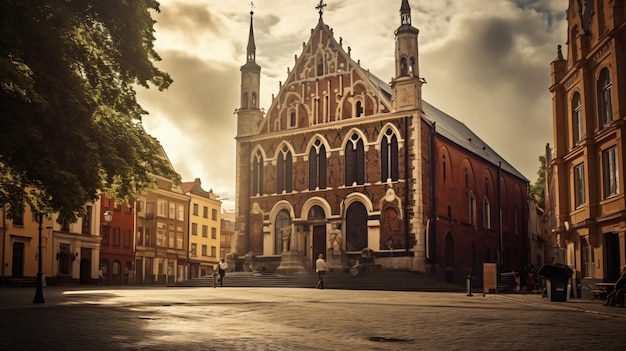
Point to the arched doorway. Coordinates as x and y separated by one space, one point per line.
356 227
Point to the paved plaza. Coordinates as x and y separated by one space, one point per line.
158 318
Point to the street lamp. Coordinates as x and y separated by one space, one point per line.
39 292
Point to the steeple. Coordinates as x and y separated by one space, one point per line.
407 84
249 112
251 46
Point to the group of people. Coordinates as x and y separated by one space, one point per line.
525 279
616 297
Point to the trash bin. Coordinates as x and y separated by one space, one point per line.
557 276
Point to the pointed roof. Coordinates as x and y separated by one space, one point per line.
251 49
405 19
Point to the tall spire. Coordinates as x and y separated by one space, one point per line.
405 12
251 46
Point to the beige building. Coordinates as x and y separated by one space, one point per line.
204 226
161 246
586 175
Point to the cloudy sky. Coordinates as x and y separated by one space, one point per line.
487 63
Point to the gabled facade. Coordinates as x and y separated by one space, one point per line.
345 164
162 234
587 161
204 227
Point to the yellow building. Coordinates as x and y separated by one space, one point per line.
586 168
204 226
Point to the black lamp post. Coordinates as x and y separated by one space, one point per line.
39 292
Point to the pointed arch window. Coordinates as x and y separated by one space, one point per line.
389 157
577 118
355 161
317 166
253 101
443 169
284 183
292 119
472 208
257 175
359 108
604 89
320 65
486 213
404 69
244 101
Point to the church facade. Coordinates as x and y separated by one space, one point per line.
358 169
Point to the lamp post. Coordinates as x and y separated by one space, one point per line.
39 292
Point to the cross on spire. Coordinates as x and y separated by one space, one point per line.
251 7
320 8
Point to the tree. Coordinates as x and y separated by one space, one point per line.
70 124
538 190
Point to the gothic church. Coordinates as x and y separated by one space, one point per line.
348 165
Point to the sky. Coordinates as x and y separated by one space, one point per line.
486 63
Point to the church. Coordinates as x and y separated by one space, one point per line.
361 170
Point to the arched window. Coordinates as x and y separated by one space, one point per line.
320 65
292 119
486 213
317 166
472 208
257 175
604 89
283 220
404 70
443 169
244 100
253 102
284 171
355 161
577 119
358 109
389 157
356 227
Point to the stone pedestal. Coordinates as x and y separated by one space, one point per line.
336 261
291 263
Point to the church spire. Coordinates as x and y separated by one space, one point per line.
251 45
405 13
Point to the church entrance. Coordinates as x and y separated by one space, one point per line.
319 242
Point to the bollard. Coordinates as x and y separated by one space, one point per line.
469 285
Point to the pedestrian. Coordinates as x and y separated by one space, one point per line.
100 277
222 267
320 268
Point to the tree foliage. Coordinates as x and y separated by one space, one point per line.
538 190
70 124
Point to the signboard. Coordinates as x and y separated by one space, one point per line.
490 281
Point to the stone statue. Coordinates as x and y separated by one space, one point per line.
336 238
286 236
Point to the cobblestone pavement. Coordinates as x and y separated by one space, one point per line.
153 318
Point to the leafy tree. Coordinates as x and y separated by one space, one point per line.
538 190
70 124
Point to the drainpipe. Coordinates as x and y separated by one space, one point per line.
433 196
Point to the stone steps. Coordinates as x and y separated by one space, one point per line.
392 280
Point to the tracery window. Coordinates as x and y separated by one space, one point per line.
284 171
355 161
317 166
389 157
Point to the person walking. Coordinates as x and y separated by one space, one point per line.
320 268
222 267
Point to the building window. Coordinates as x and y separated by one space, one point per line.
205 231
195 209
205 212
204 250
172 214
194 250
389 157
444 169
214 214
579 185
181 213
213 233
18 218
355 161
486 213
257 175
213 251
194 228
610 170
604 88
179 237
292 119
358 109
284 169
161 234
577 118
472 208
86 227
162 208
317 166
